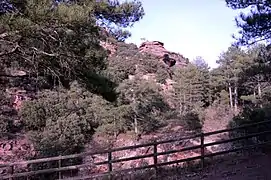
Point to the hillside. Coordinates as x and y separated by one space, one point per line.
69 83
126 64
125 61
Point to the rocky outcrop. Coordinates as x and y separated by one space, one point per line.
157 48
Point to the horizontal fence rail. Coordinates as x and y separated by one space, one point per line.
154 155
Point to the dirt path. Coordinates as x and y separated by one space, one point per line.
231 167
256 167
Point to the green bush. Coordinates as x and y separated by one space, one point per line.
61 122
191 121
248 116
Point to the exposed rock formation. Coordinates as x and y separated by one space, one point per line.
157 48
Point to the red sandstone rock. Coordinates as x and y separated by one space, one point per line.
157 48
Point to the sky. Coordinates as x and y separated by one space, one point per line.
189 27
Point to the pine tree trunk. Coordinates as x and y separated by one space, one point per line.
115 132
136 126
235 99
135 118
259 90
230 93
260 93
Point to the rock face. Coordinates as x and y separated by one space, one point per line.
157 48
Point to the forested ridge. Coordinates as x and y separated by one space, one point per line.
73 88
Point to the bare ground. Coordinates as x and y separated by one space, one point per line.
250 167
230 167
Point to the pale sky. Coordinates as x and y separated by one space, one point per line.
189 27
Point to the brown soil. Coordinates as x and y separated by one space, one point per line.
253 167
230 167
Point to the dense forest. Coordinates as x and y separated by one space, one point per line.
74 88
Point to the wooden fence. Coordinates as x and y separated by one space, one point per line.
111 160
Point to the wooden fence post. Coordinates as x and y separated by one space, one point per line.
155 156
11 171
110 168
59 166
202 152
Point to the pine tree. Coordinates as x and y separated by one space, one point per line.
188 89
57 46
149 107
232 63
254 25
255 79
203 67
60 42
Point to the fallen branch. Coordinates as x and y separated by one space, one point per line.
43 52
9 52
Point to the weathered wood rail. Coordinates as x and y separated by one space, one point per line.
111 160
